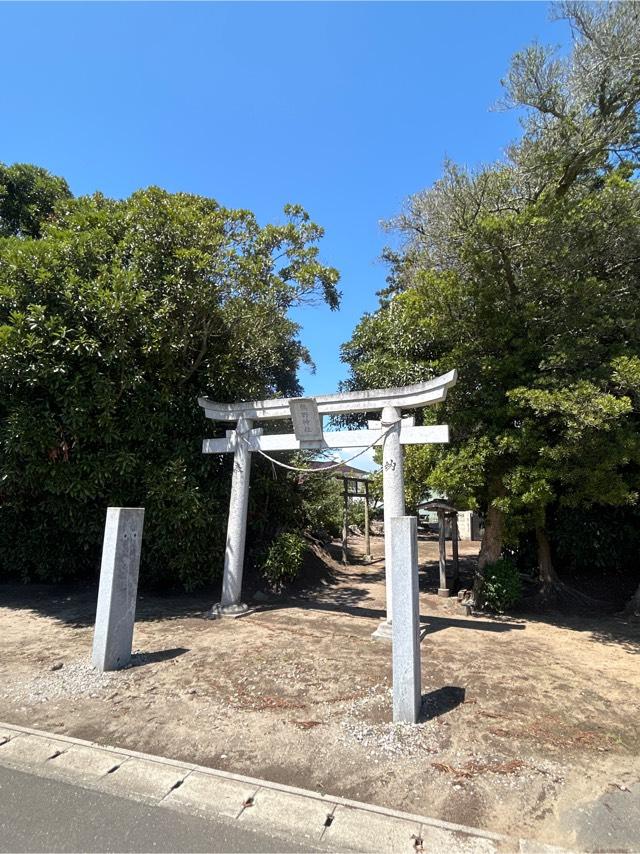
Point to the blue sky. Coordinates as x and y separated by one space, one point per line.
346 108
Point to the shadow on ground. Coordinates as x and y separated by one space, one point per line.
441 701
140 659
75 604
615 630
429 574
324 585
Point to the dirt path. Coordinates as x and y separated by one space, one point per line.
524 721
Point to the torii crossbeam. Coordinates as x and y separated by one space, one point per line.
392 431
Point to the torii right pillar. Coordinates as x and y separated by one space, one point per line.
393 492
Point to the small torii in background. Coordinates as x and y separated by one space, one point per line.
355 484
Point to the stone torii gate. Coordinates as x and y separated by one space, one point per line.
392 432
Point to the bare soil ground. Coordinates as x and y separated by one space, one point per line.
524 719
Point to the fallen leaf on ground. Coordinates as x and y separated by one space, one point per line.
449 769
509 767
621 786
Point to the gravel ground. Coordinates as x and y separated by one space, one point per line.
524 722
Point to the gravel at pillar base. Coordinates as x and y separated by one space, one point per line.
405 612
116 612
218 611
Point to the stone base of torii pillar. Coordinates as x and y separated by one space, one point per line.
239 609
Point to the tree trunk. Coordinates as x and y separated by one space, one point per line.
553 591
632 608
549 580
490 547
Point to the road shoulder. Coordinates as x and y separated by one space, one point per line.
328 822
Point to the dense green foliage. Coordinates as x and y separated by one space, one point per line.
283 559
596 548
28 196
322 502
525 276
502 587
115 316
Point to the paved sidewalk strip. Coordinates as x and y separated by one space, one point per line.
84 763
301 816
31 751
333 823
141 778
217 796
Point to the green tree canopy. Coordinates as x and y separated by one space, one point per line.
525 276
113 321
28 196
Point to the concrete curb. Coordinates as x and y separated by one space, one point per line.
331 823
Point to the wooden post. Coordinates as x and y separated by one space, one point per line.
345 521
443 590
454 548
367 540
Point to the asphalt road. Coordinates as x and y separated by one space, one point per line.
611 822
39 814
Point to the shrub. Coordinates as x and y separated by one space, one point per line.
501 587
356 513
322 503
283 560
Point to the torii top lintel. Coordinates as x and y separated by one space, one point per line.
408 397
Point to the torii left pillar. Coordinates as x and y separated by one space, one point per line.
231 604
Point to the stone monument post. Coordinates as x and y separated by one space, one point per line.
116 612
367 532
405 612
443 590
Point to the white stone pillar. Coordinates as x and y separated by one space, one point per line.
405 609
393 498
231 604
367 532
116 612
443 590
